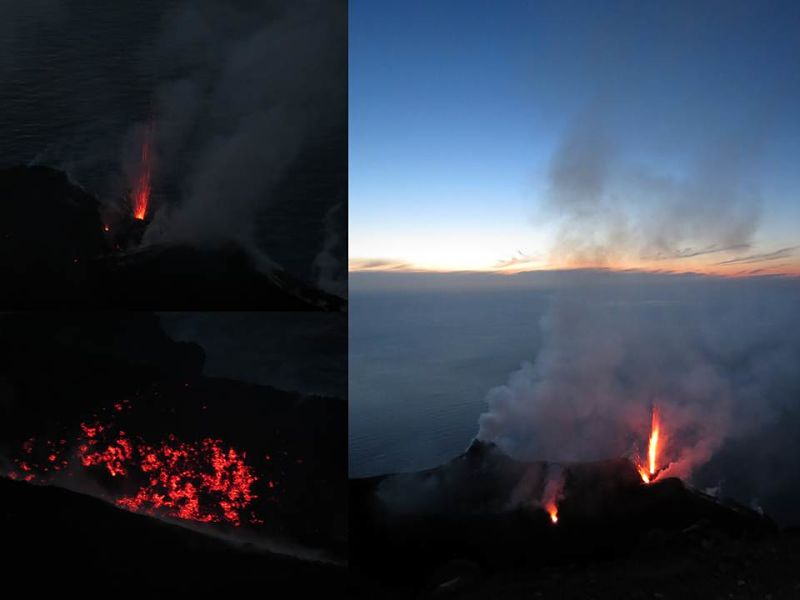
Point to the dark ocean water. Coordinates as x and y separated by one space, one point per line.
75 77
300 352
420 366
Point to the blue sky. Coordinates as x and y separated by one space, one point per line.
574 133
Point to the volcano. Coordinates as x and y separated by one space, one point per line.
55 251
108 405
181 277
486 513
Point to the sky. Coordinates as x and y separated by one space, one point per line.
538 135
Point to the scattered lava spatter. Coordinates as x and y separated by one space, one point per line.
40 459
648 472
141 191
189 481
114 456
203 481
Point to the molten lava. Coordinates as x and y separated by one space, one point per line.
199 482
141 191
552 492
203 481
552 510
649 472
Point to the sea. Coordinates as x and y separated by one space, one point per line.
75 75
421 363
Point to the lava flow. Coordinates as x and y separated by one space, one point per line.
649 471
141 192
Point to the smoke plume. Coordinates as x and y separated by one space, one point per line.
248 87
330 271
613 211
720 364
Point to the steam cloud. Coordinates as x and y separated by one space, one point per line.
663 152
718 359
328 265
720 362
249 87
613 211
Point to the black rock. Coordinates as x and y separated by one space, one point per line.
55 252
224 277
486 508
61 542
50 230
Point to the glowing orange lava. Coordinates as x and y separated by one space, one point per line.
552 510
141 192
649 472
199 482
552 491
203 481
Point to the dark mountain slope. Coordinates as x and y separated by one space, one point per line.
55 253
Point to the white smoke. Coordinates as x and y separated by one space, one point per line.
605 358
613 211
330 271
247 87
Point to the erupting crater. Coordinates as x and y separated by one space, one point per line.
650 470
141 192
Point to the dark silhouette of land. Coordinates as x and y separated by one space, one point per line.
55 252
474 528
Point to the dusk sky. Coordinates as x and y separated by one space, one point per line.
533 135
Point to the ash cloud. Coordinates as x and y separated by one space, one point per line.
248 87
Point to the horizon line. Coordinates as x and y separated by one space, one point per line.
417 270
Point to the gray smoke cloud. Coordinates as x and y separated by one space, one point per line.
669 114
248 86
720 362
611 210
330 270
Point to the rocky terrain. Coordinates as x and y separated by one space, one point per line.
56 252
477 528
57 541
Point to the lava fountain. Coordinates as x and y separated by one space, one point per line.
552 510
649 471
141 191
550 496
